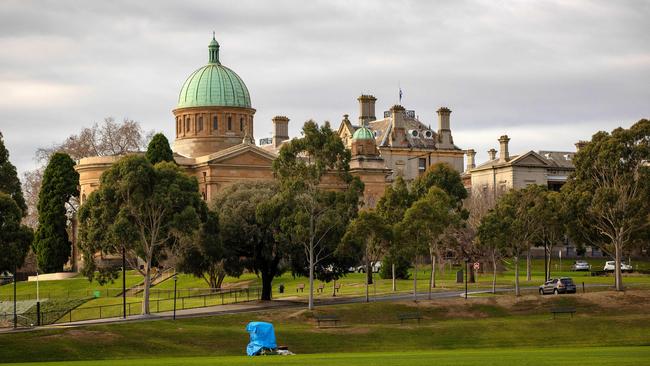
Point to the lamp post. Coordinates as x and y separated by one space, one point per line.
15 303
466 270
38 302
175 282
123 282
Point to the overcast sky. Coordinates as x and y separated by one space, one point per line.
547 73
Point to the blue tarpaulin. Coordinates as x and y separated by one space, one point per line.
262 336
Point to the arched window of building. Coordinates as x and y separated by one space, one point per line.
187 124
215 123
200 124
241 124
229 123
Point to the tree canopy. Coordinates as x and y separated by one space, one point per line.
159 150
144 208
319 214
9 182
60 185
609 193
15 238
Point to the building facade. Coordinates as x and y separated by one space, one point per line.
214 127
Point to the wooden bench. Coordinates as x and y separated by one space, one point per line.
333 318
409 316
301 287
321 287
564 310
337 287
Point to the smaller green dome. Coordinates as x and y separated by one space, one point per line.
364 133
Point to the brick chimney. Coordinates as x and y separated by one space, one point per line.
444 130
503 149
398 134
471 155
280 130
492 154
366 109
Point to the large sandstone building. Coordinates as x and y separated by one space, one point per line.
214 128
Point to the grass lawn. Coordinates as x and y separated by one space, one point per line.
76 287
515 327
620 356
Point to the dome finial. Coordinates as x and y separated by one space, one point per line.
213 50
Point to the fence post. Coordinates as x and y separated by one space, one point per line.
38 313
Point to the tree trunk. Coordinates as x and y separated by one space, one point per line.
617 270
311 277
393 270
517 293
528 265
267 286
147 287
415 280
432 278
368 279
470 270
494 273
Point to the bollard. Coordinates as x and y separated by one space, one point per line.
583 287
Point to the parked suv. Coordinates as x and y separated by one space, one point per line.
556 286
611 265
580 266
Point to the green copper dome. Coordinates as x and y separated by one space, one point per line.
214 85
363 133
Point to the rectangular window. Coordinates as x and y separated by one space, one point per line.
200 124
241 124
215 123
422 165
229 123
187 125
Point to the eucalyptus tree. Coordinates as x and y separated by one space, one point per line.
313 173
391 207
367 237
422 227
608 195
141 208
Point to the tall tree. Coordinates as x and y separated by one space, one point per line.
9 182
443 176
60 185
367 236
391 207
493 235
142 208
206 257
14 237
550 214
249 215
159 150
609 191
422 227
320 216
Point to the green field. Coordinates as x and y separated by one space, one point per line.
519 329
622 356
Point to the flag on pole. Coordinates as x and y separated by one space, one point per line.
400 95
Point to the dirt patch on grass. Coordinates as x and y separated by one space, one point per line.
82 334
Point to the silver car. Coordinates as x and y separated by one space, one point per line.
556 286
581 266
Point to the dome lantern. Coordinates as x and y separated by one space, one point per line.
213 51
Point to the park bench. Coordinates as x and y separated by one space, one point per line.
301 287
337 287
409 316
321 287
563 310
333 318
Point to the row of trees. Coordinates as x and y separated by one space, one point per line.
605 204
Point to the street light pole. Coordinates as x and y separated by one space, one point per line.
175 282
466 270
15 307
124 282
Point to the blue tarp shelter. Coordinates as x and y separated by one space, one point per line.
262 336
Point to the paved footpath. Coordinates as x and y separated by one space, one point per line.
256 306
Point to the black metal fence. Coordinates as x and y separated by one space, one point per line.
162 301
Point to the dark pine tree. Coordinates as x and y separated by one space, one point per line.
60 184
9 182
159 150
